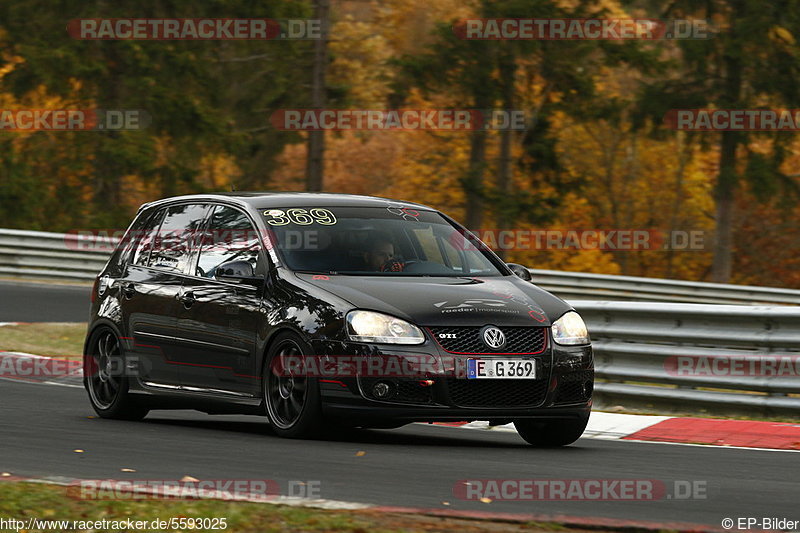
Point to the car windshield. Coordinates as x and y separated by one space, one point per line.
379 241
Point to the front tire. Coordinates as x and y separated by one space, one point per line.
551 433
292 403
105 380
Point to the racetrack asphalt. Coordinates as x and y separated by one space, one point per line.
42 302
415 466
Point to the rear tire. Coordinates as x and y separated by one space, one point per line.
105 380
292 403
551 433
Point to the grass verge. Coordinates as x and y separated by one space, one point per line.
22 501
53 339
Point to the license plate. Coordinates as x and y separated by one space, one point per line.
501 369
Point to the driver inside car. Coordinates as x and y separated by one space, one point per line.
380 255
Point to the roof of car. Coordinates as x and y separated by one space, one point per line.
261 200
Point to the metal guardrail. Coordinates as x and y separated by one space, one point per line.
722 359
578 285
635 342
63 256
57 256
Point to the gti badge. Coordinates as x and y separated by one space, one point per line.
493 337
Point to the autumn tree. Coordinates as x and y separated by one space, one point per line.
204 97
749 61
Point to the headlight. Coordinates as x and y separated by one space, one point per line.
368 326
570 330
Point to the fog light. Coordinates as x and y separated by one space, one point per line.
381 390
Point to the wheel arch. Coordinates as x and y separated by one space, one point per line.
97 326
270 340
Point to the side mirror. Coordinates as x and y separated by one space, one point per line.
520 271
237 272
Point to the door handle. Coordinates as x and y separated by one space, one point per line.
129 290
187 299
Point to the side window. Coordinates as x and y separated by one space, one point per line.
131 239
175 240
230 237
146 239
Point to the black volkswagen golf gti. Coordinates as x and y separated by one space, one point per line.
328 310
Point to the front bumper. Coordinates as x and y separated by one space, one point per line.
563 390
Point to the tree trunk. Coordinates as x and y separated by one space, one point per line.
106 162
684 149
724 194
315 162
504 180
473 182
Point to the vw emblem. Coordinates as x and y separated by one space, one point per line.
493 337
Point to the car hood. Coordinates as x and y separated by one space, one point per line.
440 301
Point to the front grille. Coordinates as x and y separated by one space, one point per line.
468 340
497 392
575 387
